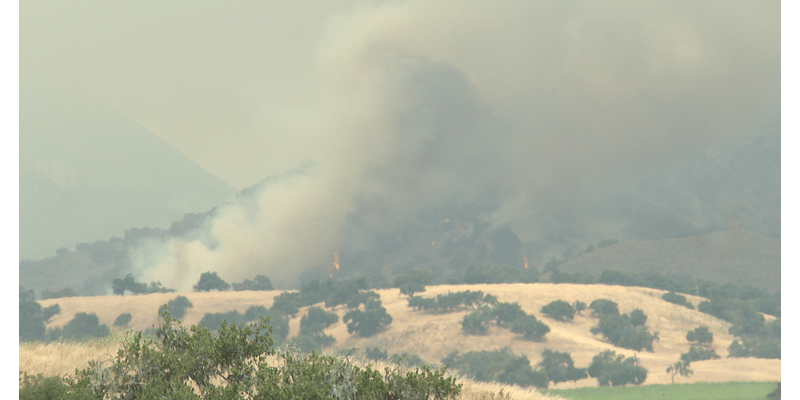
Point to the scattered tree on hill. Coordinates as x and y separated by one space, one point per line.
679 368
287 303
129 284
65 292
210 281
603 308
316 320
678 299
701 335
413 281
451 301
579 306
638 317
32 316
475 323
559 310
559 367
123 319
260 282
500 366
368 322
531 328
177 306
616 370
82 326
619 330
699 354
506 313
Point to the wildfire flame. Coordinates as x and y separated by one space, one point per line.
335 266
525 262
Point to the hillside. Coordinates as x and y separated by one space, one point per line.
88 172
433 336
735 256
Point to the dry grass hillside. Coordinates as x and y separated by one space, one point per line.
734 256
433 336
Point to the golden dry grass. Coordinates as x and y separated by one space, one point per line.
433 336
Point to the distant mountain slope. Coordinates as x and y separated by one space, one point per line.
734 256
87 173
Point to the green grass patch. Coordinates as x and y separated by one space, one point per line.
686 391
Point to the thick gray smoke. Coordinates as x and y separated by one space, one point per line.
527 108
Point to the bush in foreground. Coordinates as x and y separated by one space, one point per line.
193 363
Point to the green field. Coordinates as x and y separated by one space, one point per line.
689 391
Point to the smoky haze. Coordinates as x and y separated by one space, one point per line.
370 114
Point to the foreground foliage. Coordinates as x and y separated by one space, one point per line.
232 364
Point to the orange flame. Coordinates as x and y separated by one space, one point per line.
335 266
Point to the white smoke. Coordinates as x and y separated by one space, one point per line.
533 104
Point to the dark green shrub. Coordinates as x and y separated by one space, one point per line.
360 298
210 281
638 317
616 370
559 310
677 299
413 281
316 320
579 306
451 301
559 367
619 330
65 292
499 366
123 319
368 322
699 354
531 328
475 323
287 303
603 307
177 306
128 284
507 313
84 326
701 334
32 317
260 282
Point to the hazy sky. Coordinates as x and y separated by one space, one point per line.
396 104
